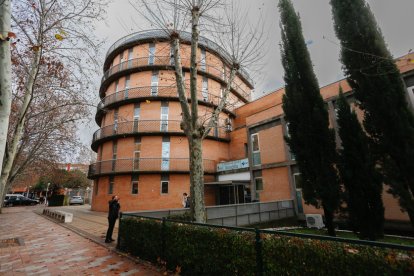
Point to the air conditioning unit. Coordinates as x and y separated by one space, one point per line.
314 221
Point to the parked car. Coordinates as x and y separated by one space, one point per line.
76 200
18 200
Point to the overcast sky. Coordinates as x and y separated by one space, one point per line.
395 18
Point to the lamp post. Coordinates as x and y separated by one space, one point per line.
87 194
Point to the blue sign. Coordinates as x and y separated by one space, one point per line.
233 165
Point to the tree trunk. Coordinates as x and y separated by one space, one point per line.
18 132
329 221
5 81
197 180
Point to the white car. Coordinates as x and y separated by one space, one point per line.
76 200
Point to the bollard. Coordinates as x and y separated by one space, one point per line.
259 259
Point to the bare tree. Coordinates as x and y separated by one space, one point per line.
54 63
5 73
220 22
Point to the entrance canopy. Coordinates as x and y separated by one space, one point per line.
229 183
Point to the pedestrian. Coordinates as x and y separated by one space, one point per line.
113 213
184 202
187 202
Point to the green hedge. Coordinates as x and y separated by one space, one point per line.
201 250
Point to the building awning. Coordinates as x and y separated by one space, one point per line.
228 183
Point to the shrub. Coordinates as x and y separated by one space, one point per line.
203 250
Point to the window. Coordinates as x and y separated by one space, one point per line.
116 120
164 117
114 154
127 81
130 52
116 111
137 112
164 187
165 153
116 89
297 179
154 83
134 185
255 149
292 156
96 188
172 61
203 60
151 55
258 183
111 185
204 90
121 60
137 153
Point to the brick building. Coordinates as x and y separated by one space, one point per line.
143 154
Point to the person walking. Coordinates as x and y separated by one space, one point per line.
113 214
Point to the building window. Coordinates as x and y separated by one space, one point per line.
116 89
297 179
204 90
114 154
164 187
172 61
130 52
121 60
292 155
255 149
151 55
96 188
134 185
111 185
203 60
137 112
164 117
165 154
258 183
127 81
116 111
154 83
137 153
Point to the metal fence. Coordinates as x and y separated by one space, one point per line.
131 165
151 126
235 214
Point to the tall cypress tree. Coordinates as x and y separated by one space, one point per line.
363 184
310 138
377 84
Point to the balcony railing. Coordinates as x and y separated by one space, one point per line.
162 34
216 71
150 126
163 92
146 165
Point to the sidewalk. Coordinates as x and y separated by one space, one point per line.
47 248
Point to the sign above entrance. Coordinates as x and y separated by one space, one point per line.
233 165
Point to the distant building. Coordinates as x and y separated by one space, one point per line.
143 153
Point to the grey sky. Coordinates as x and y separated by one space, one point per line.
394 18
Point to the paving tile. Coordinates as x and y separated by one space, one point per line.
50 249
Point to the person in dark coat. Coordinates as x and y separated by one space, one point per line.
113 213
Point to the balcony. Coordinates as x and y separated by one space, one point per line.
146 165
165 62
149 127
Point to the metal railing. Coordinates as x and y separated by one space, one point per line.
150 126
216 71
131 165
186 36
163 92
